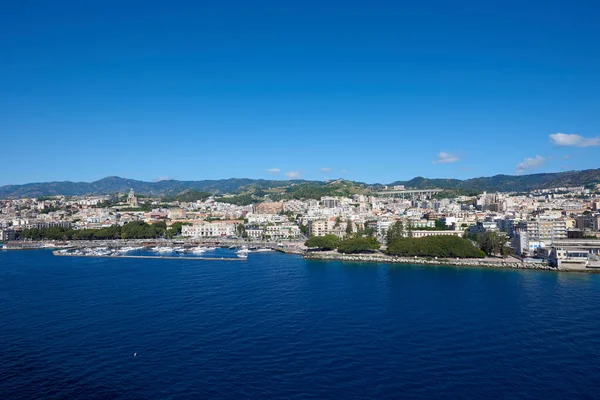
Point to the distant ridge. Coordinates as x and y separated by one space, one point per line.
114 184
510 183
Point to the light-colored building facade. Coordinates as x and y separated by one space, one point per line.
210 229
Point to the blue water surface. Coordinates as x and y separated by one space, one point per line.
278 326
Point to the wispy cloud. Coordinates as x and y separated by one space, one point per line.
445 158
293 174
571 139
529 164
161 178
343 171
567 156
325 169
274 170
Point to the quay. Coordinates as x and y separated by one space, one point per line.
58 253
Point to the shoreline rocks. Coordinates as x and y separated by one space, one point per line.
380 258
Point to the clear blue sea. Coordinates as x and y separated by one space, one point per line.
280 327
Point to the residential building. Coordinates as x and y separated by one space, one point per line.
210 229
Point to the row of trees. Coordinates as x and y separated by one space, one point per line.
131 230
356 244
490 243
434 246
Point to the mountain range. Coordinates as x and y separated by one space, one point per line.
114 184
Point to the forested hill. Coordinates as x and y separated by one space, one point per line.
114 184
298 188
509 183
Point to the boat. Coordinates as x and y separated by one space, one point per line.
259 250
198 250
162 249
127 249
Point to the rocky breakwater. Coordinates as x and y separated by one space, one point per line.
382 258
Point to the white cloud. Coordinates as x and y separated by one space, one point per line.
444 158
162 178
530 164
571 139
274 170
343 171
325 169
293 174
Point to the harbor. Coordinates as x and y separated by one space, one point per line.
116 255
165 252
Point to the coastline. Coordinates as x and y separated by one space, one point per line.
296 249
472 262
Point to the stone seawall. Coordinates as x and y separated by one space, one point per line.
380 258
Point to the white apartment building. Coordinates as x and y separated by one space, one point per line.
282 231
210 229
266 218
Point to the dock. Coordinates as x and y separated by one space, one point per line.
57 253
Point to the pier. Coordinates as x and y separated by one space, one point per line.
58 253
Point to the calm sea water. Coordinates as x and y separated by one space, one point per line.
278 326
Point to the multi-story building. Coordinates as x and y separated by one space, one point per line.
7 235
318 227
542 229
330 202
268 208
210 229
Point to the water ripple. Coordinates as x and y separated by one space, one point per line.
278 326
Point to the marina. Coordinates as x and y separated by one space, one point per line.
66 254
206 253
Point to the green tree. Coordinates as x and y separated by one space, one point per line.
395 231
192 196
434 246
349 227
327 242
358 245
175 229
241 230
493 243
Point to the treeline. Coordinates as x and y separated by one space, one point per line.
240 200
315 191
434 246
131 230
488 243
350 245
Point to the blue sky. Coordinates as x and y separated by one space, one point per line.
369 91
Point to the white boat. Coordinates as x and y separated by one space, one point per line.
161 249
127 249
260 250
198 250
